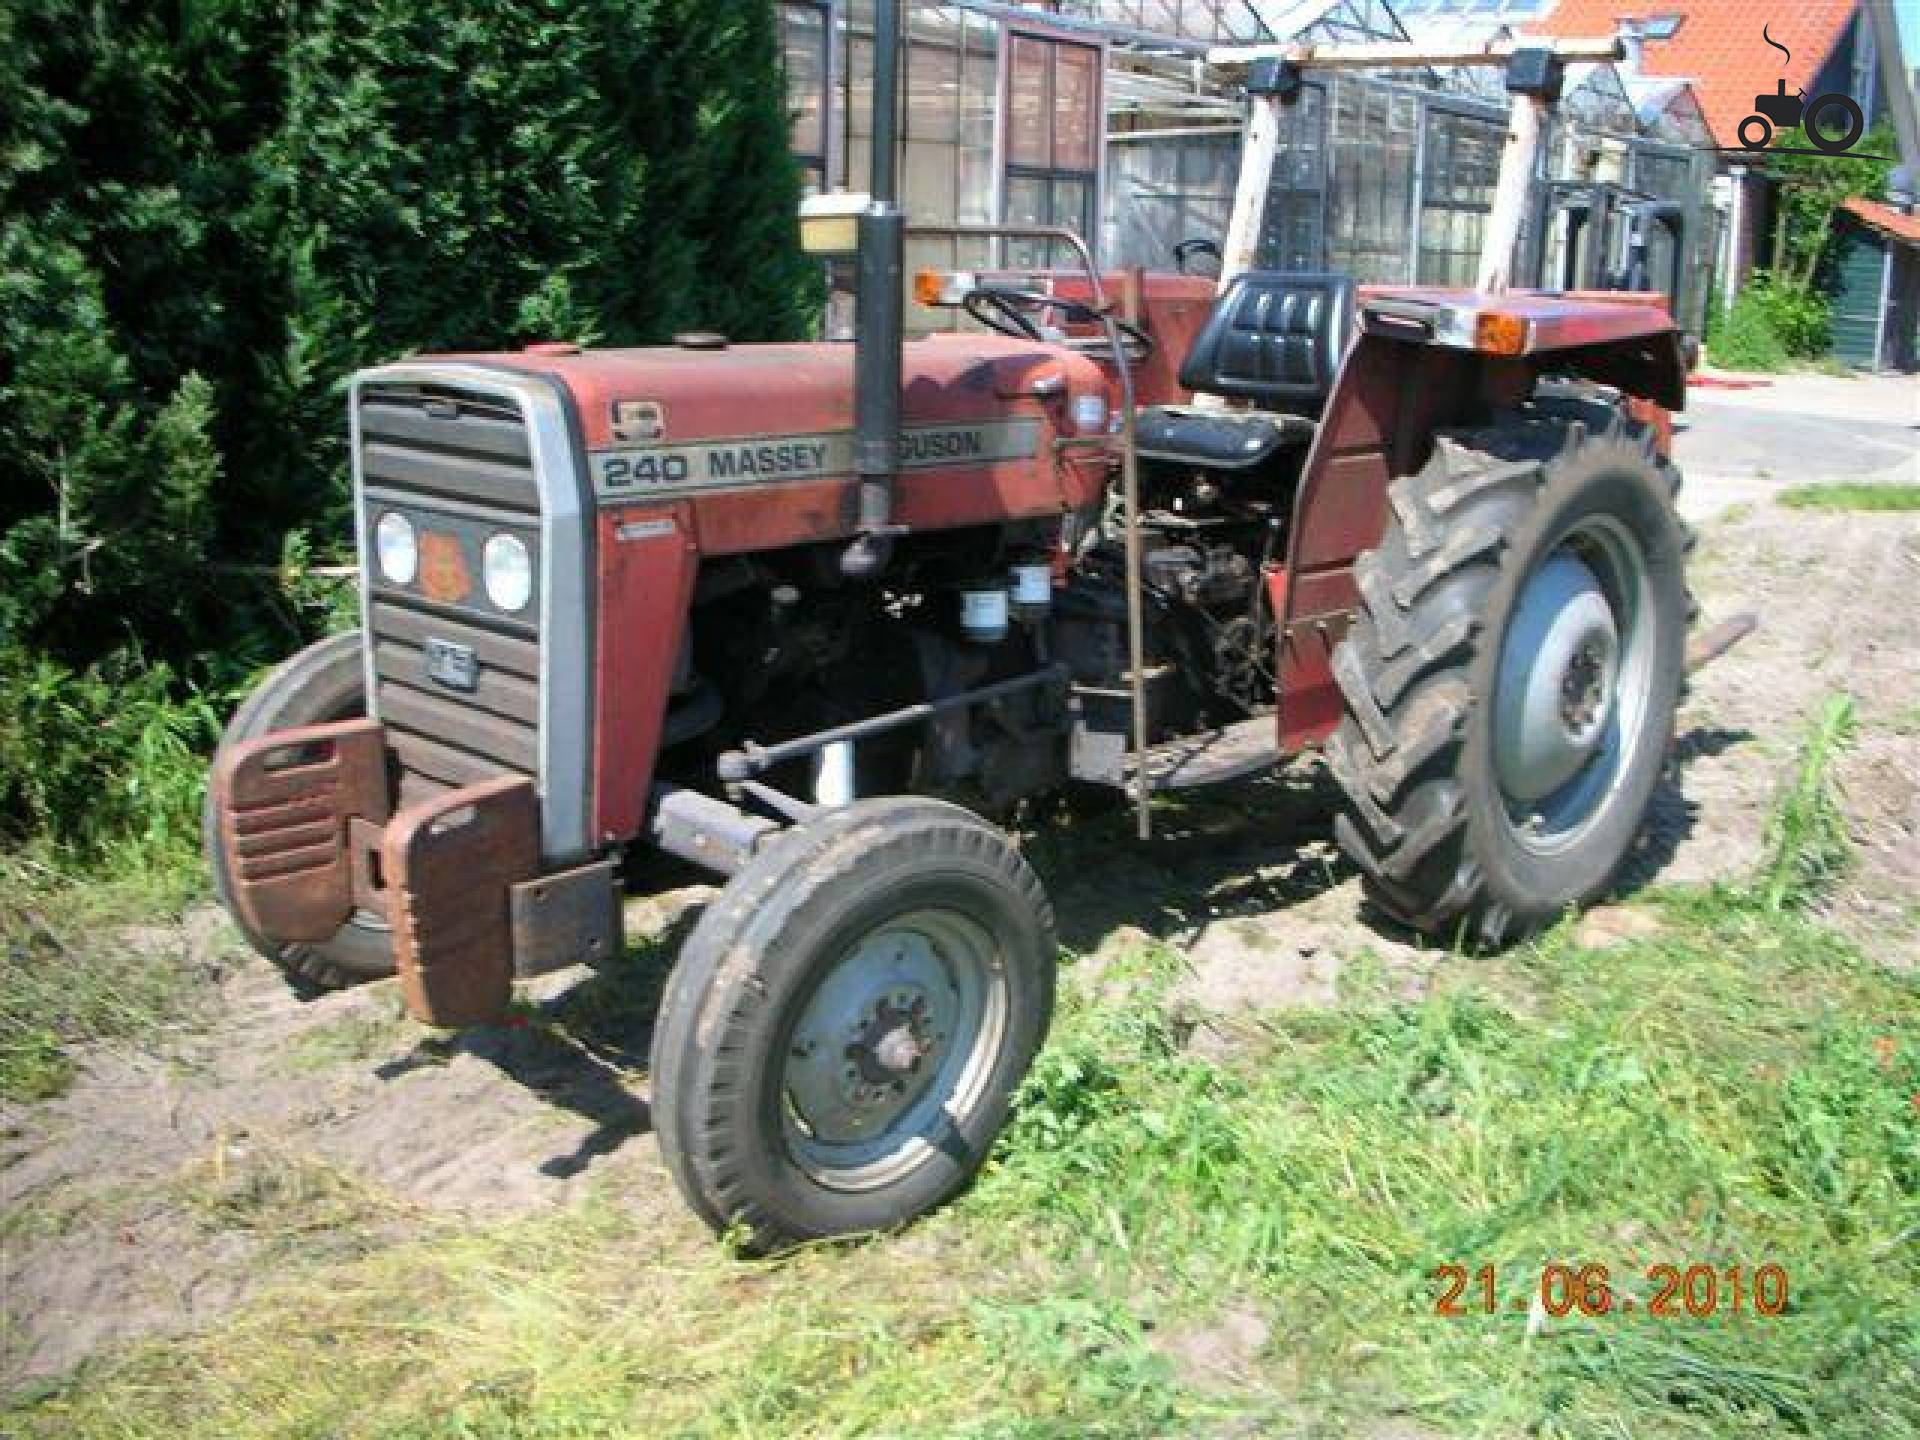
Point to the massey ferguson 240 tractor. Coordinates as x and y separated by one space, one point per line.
806 614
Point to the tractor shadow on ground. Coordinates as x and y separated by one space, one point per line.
1250 848
576 1050
1671 816
1265 845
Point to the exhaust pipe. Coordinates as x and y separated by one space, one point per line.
878 316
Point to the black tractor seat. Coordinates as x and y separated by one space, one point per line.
1218 439
1274 338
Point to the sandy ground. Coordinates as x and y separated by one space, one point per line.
1741 446
152 1196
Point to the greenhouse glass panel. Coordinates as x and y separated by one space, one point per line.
1460 169
1293 226
1165 189
803 45
1374 136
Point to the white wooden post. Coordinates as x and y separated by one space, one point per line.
1526 123
1259 147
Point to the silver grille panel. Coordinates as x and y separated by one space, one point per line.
465 452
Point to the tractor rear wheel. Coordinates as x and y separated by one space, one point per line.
323 683
1511 679
842 1035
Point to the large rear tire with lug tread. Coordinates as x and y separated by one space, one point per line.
1511 679
323 683
843 1032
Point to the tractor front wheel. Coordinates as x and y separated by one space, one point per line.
1511 680
844 1030
323 683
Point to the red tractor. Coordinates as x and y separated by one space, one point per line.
804 614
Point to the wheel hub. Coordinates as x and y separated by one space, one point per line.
873 1039
891 1040
1558 670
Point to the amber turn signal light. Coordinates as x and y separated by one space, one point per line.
1495 333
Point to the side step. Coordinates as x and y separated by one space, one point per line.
1211 757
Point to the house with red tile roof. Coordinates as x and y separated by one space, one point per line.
1720 47
1734 52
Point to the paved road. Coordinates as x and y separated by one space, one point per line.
1739 446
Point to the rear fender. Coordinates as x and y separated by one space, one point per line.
1426 361
1388 400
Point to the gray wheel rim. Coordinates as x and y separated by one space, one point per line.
895 1044
1574 684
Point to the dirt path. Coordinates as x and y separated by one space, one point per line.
153 1195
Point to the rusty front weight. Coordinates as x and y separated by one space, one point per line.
284 803
450 864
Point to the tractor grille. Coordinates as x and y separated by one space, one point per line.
458 465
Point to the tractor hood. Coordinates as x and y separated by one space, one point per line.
679 395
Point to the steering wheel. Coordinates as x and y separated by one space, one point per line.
1010 310
1187 249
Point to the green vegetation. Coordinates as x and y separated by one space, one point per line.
66 976
1769 325
1736 1089
1851 497
210 215
1782 314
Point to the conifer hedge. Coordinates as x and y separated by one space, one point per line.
213 211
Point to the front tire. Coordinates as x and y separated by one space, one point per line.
323 683
1512 677
841 1038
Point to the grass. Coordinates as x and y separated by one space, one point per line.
1890 497
1738 1089
284 1196
69 972
373 1032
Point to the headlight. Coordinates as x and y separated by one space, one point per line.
507 571
396 548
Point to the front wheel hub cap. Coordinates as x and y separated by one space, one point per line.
899 1031
1559 665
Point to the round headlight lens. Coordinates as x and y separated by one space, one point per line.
396 548
507 571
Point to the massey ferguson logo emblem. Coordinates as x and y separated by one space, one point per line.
455 666
671 469
443 569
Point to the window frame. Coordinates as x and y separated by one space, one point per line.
1006 170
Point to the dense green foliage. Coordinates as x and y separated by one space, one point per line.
211 213
1769 324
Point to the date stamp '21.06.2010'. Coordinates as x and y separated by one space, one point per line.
1665 1291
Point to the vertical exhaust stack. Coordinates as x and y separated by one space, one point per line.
878 315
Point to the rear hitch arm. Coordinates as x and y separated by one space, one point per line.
1710 644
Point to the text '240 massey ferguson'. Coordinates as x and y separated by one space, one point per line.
803 614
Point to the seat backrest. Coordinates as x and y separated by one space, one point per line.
1275 337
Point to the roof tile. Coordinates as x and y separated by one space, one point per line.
1719 46
1884 218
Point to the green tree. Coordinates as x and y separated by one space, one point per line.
213 211
1811 190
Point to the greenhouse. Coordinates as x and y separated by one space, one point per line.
1106 116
